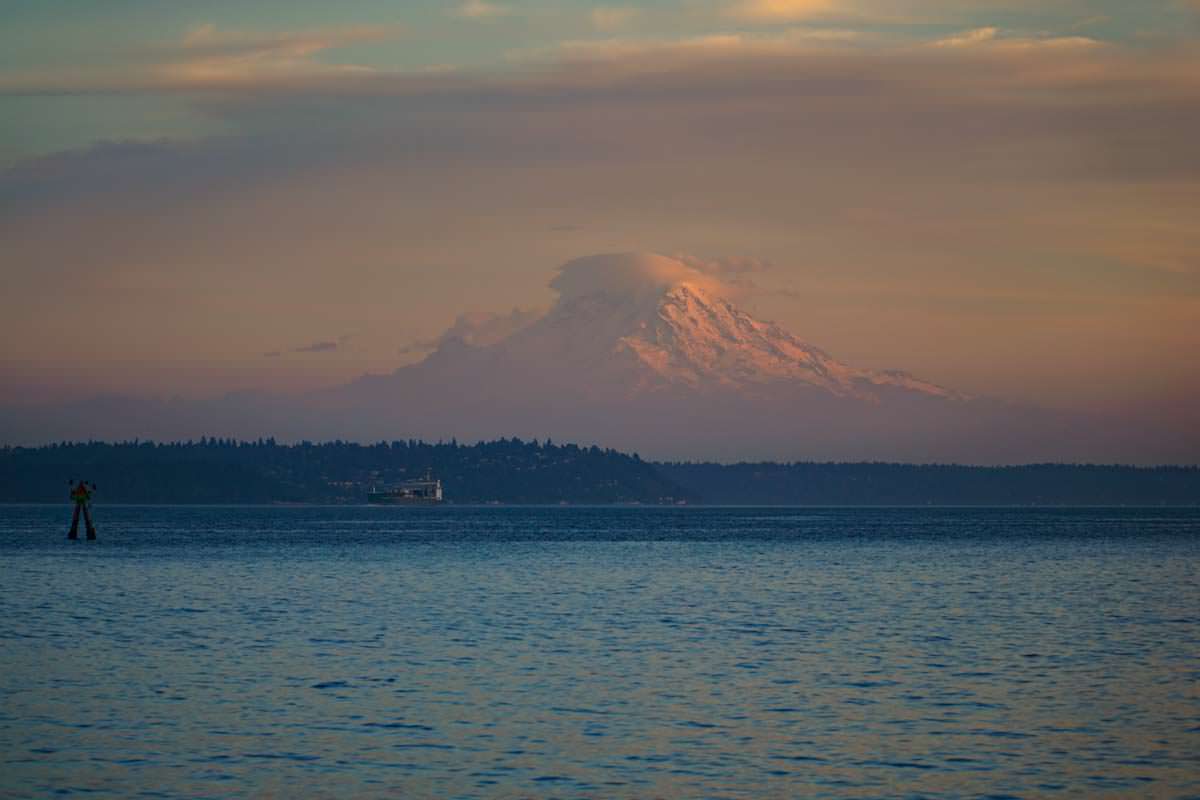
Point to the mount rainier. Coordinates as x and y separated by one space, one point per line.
645 353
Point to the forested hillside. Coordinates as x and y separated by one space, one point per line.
227 471
513 471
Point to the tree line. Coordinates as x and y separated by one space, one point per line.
215 470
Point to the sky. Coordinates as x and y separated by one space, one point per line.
1001 196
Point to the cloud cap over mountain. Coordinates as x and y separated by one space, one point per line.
636 275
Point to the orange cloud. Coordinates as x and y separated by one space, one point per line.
611 18
780 10
481 10
211 57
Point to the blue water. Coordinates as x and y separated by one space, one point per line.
600 652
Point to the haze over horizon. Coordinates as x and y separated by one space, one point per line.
998 197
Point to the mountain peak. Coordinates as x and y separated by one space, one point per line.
628 276
649 323
693 335
703 340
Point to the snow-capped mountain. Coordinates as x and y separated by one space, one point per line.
645 354
700 340
645 323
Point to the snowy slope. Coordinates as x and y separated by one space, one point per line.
651 323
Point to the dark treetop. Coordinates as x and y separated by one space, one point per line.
513 471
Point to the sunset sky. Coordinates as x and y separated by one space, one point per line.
1000 196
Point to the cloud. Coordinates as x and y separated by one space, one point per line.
921 111
209 40
991 37
792 61
1088 22
482 328
481 10
317 347
780 10
784 95
734 272
476 329
612 18
210 57
637 275
283 66
968 38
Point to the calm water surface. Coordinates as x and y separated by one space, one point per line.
598 652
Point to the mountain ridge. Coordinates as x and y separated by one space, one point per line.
660 324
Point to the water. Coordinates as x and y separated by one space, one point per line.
599 652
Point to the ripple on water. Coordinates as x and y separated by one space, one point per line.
602 652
